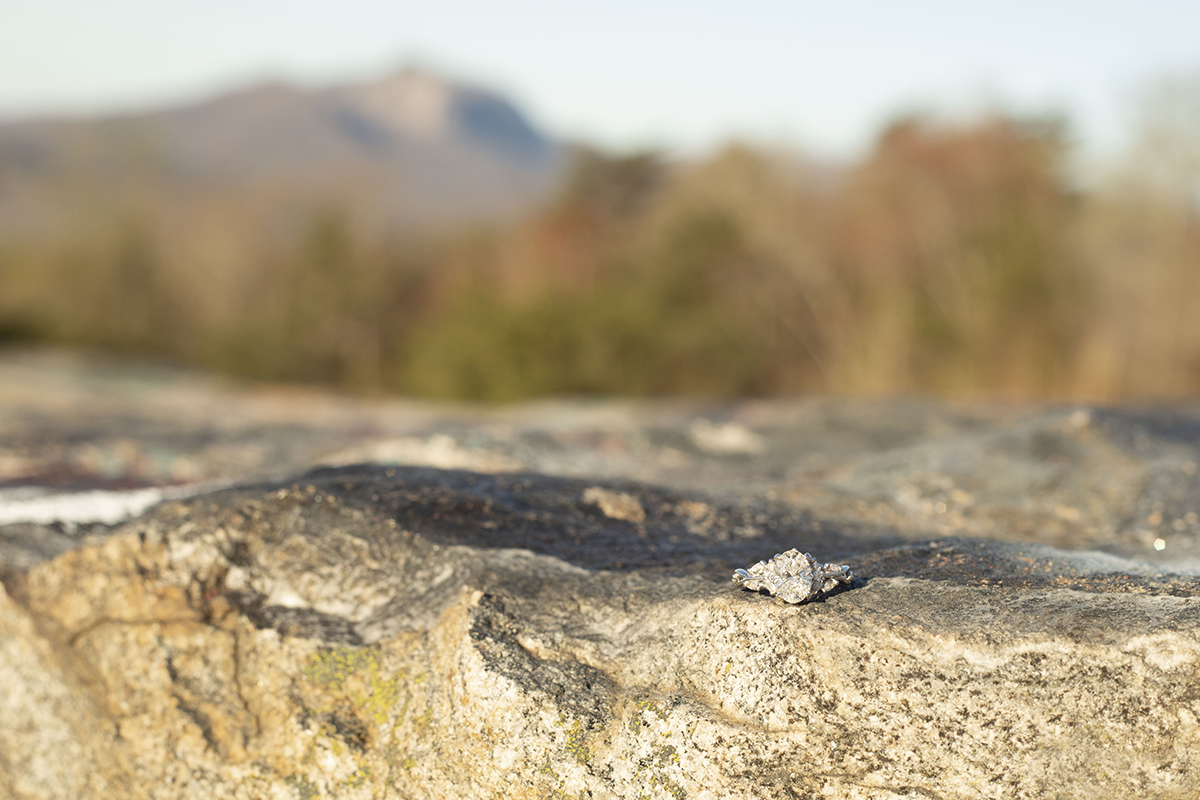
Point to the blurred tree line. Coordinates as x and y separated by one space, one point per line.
952 259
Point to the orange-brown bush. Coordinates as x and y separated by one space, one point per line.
952 259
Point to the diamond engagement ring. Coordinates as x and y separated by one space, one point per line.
793 576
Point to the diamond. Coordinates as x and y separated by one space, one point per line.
788 575
794 590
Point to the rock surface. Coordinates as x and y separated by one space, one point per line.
406 632
554 617
1124 481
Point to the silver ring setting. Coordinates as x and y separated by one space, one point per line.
793 577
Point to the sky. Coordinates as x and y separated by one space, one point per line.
688 75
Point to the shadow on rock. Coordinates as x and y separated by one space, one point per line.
614 526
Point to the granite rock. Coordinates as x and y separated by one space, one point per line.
418 633
1122 480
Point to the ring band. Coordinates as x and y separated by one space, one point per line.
793 576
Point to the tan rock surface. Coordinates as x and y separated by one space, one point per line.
417 633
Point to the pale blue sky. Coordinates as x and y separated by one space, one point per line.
689 74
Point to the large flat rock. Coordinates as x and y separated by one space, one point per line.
372 631
1122 480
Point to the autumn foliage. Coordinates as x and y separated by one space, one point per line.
957 260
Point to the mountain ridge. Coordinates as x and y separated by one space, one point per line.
420 146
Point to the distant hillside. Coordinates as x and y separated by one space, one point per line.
410 148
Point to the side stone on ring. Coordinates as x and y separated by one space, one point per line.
793 576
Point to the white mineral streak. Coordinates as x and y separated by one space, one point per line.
439 451
46 507
732 438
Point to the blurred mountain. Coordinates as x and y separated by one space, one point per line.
411 148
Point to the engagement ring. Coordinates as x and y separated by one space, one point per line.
793 576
